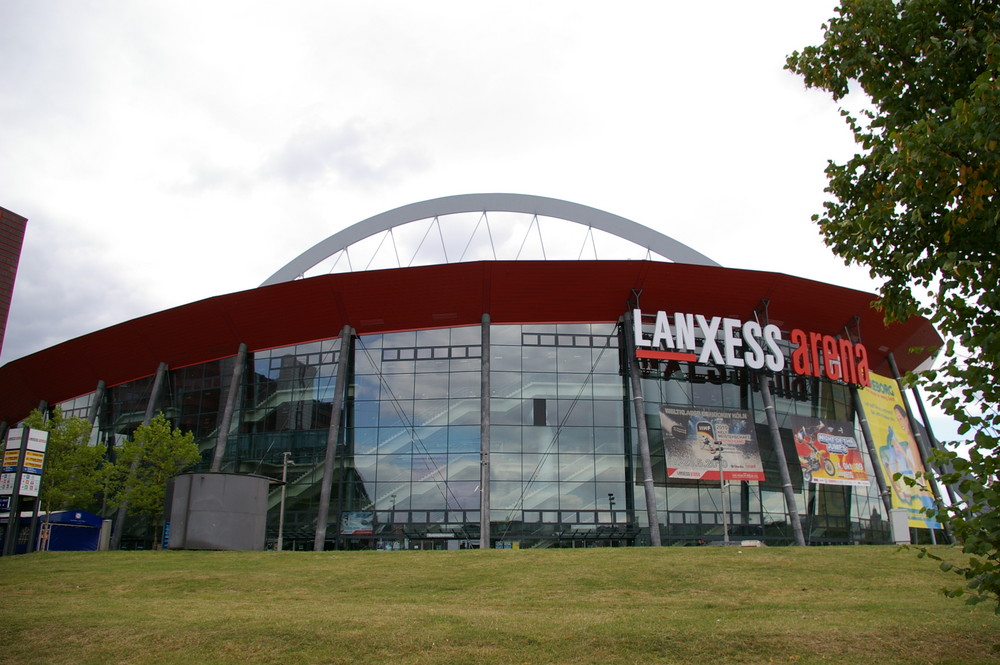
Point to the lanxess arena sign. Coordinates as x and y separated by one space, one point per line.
735 343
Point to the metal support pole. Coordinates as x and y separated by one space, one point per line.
722 497
484 437
922 446
953 494
779 453
332 437
917 434
866 433
95 406
161 374
235 384
281 509
639 408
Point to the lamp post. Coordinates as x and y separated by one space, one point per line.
722 496
285 461
611 505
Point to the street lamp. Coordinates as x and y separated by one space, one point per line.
285 461
611 505
722 496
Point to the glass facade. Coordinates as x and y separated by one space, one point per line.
563 446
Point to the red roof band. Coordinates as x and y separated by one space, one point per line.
444 296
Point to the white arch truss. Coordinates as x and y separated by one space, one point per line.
592 218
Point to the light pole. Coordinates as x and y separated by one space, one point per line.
281 509
722 496
611 505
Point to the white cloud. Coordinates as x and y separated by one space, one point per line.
195 148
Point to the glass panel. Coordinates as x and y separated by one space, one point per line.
541 495
464 412
504 466
463 467
577 496
463 439
505 358
576 440
465 384
429 467
540 467
609 467
392 468
504 495
430 412
609 440
539 359
505 439
398 386
576 468
505 335
394 440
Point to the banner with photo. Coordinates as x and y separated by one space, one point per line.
896 447
828 452
357 523
693 437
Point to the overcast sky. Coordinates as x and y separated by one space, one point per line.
165 152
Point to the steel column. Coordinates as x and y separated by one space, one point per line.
332 437
235 384
779 453
116 536
484 437
639 408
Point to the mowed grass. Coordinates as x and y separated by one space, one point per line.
643 605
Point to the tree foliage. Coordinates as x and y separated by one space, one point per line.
73 476
918 206
154 454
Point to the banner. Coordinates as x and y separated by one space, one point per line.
693 438
828 452
357 523
896 447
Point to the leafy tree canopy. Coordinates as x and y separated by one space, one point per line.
918 206
154 454
73 474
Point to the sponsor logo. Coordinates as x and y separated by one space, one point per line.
735 343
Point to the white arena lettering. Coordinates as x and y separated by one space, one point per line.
748 344
744 344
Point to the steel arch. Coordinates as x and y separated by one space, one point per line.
519 203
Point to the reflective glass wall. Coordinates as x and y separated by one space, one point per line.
563 458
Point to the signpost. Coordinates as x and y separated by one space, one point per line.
21 476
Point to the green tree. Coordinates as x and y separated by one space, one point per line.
155 453
918 206
73 475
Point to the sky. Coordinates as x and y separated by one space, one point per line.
169 152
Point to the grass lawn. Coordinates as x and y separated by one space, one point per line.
607 606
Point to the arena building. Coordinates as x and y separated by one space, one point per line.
495 402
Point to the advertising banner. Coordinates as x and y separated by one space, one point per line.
357 523
828 452
693 437
896 447
11 455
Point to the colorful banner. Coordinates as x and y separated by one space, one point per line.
357 523
896 447
693 438
828 452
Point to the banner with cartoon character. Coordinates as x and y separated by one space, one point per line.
695 438
828 452
896 448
